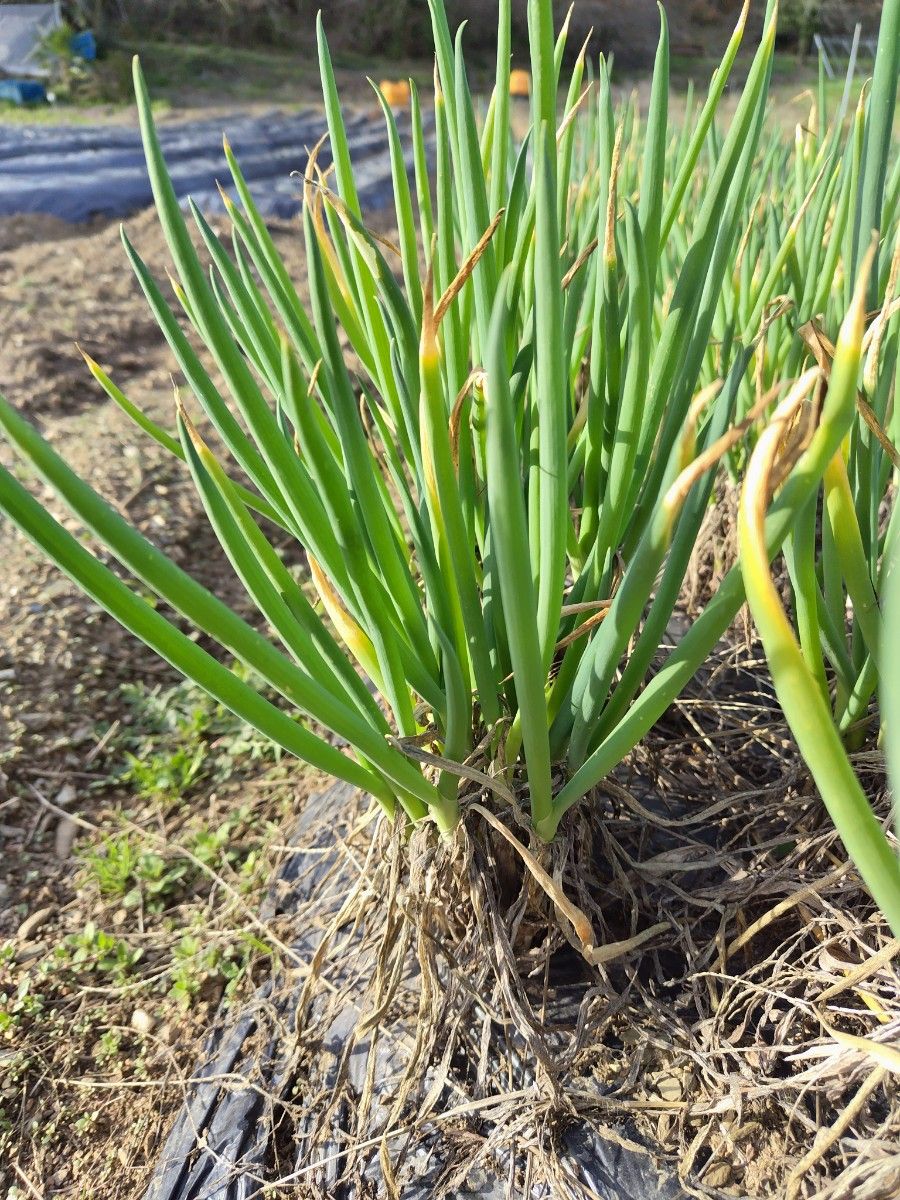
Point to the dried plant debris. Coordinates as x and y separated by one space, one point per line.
442 1032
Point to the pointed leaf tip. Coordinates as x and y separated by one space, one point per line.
191 429
226 199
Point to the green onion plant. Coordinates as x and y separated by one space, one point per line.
497 502
831 656
815 710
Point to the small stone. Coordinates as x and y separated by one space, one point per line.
35 721
65 836
65 795
27 954
57 589
669 1086
141 1022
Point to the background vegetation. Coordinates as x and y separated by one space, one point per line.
390 27
399 28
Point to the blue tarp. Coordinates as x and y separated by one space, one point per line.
84 45
80 171
22 91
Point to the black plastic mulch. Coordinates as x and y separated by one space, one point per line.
222 1144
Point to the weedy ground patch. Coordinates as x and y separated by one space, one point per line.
131 919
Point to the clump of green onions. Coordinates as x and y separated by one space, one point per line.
829 661
499 502
797 664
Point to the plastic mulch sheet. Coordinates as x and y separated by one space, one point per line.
76 172
222 1143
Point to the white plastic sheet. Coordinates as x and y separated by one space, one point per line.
22 29
80 171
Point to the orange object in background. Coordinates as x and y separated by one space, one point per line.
519 83
395 92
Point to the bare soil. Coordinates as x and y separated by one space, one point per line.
61 287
